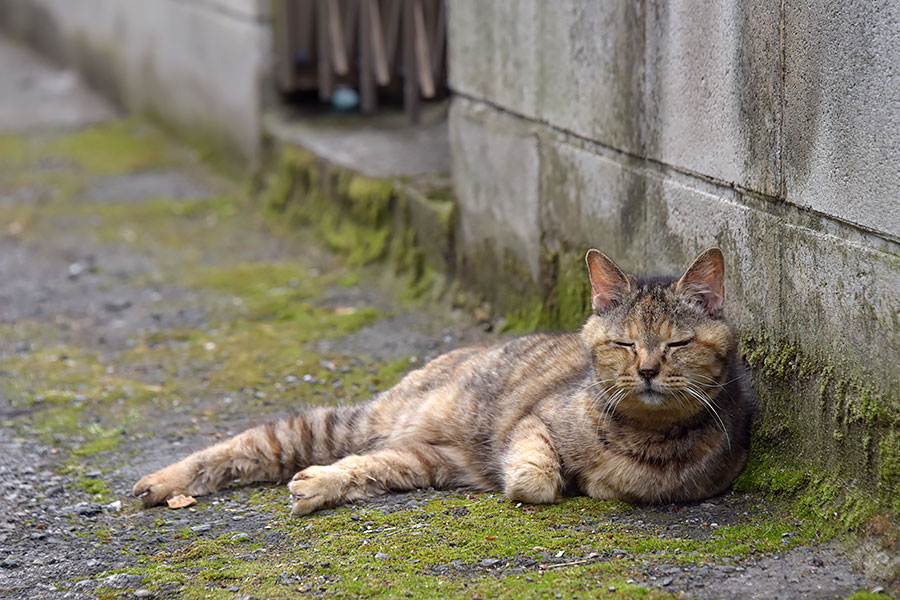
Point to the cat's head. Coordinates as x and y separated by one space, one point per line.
660 347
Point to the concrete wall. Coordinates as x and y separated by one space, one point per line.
197 64
654 129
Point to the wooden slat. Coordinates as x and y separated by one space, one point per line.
393 32
378 54
410 69
423 54
440 39
325 76
367 26
336 38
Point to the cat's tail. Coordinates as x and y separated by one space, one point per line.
271 452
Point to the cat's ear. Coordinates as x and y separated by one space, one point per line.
609 284
705 281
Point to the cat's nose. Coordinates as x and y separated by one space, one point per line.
648 373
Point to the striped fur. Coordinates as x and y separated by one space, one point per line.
646 403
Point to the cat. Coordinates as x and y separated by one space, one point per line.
646 404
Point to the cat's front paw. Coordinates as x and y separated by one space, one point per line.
166 483
318 487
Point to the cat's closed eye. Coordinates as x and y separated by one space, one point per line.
628 345
679 344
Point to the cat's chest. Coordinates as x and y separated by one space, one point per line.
644 467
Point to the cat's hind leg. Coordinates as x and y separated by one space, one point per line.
270 452
531 469
415 465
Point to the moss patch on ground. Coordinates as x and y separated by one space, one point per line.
455 546
114 147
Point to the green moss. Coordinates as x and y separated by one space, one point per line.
856 399
525 318
847 432
95 487
819 497
369 199
102 440
367 220
113 147
889 464
15 152
568 302
435 548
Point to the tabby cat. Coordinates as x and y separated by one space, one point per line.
645 404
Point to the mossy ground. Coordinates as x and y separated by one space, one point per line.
453 546
264 299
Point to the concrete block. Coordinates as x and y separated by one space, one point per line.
248 9
713 90
493 50
591 70
495 176
689 85
842 111
589 198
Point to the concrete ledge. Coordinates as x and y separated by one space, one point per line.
364 208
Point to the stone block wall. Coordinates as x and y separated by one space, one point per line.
652 130
197 65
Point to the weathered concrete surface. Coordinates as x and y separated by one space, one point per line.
692 86
713 90
38 96
197 65
842 111
382 146
501 218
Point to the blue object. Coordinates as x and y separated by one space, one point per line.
345 99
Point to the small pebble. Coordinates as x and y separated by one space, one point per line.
489 562
142 593
666 581
117 305
201 528
382 555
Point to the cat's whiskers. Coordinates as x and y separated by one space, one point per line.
707 402
608 405
613 404
599 397
596 383
712 382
